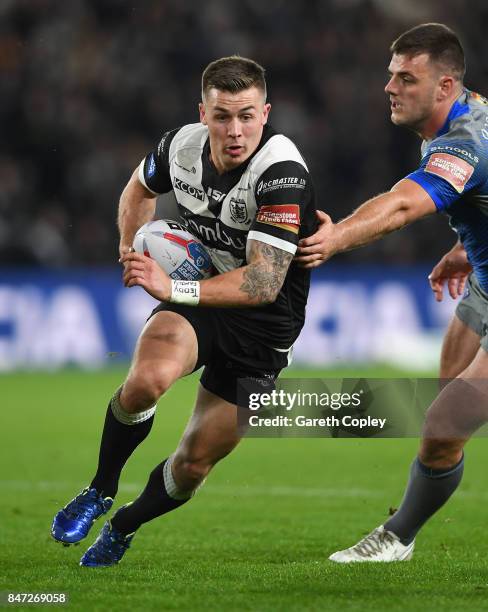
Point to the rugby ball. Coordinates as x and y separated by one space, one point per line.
175 250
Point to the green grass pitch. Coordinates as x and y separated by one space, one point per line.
257 535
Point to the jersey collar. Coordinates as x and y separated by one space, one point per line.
459 108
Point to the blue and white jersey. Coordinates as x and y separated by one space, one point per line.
454 172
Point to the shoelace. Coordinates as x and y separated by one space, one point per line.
373 543
110 546
85 505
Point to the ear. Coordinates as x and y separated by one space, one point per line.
446 86
201 110
266 111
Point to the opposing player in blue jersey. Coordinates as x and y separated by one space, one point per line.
245 191
427 95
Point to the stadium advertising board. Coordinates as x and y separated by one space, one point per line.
86 318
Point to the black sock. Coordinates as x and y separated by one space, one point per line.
427 491
118 443
152 502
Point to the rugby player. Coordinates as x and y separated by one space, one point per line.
427 95
245 191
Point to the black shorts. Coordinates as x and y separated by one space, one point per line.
227 356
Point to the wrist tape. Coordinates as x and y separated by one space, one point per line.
185 292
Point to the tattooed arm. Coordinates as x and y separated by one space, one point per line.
264 276
255 284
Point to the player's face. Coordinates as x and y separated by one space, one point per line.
413 89
235 125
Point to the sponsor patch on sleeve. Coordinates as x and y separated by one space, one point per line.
284 216
454 170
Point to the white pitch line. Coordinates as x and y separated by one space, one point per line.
230 490
224 490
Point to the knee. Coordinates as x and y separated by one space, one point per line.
441 454
144 387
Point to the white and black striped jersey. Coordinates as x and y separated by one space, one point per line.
267 198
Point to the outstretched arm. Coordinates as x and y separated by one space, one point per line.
406 202
255 284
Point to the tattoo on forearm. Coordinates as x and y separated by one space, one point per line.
263 278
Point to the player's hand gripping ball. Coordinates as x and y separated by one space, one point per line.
175 250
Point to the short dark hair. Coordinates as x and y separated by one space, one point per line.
233 74
438 41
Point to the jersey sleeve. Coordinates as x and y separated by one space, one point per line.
154 168
282 192
449 169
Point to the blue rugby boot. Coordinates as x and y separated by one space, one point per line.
108 549
74 521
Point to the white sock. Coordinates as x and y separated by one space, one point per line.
170 485
125 417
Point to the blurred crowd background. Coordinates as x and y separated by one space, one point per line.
87 88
